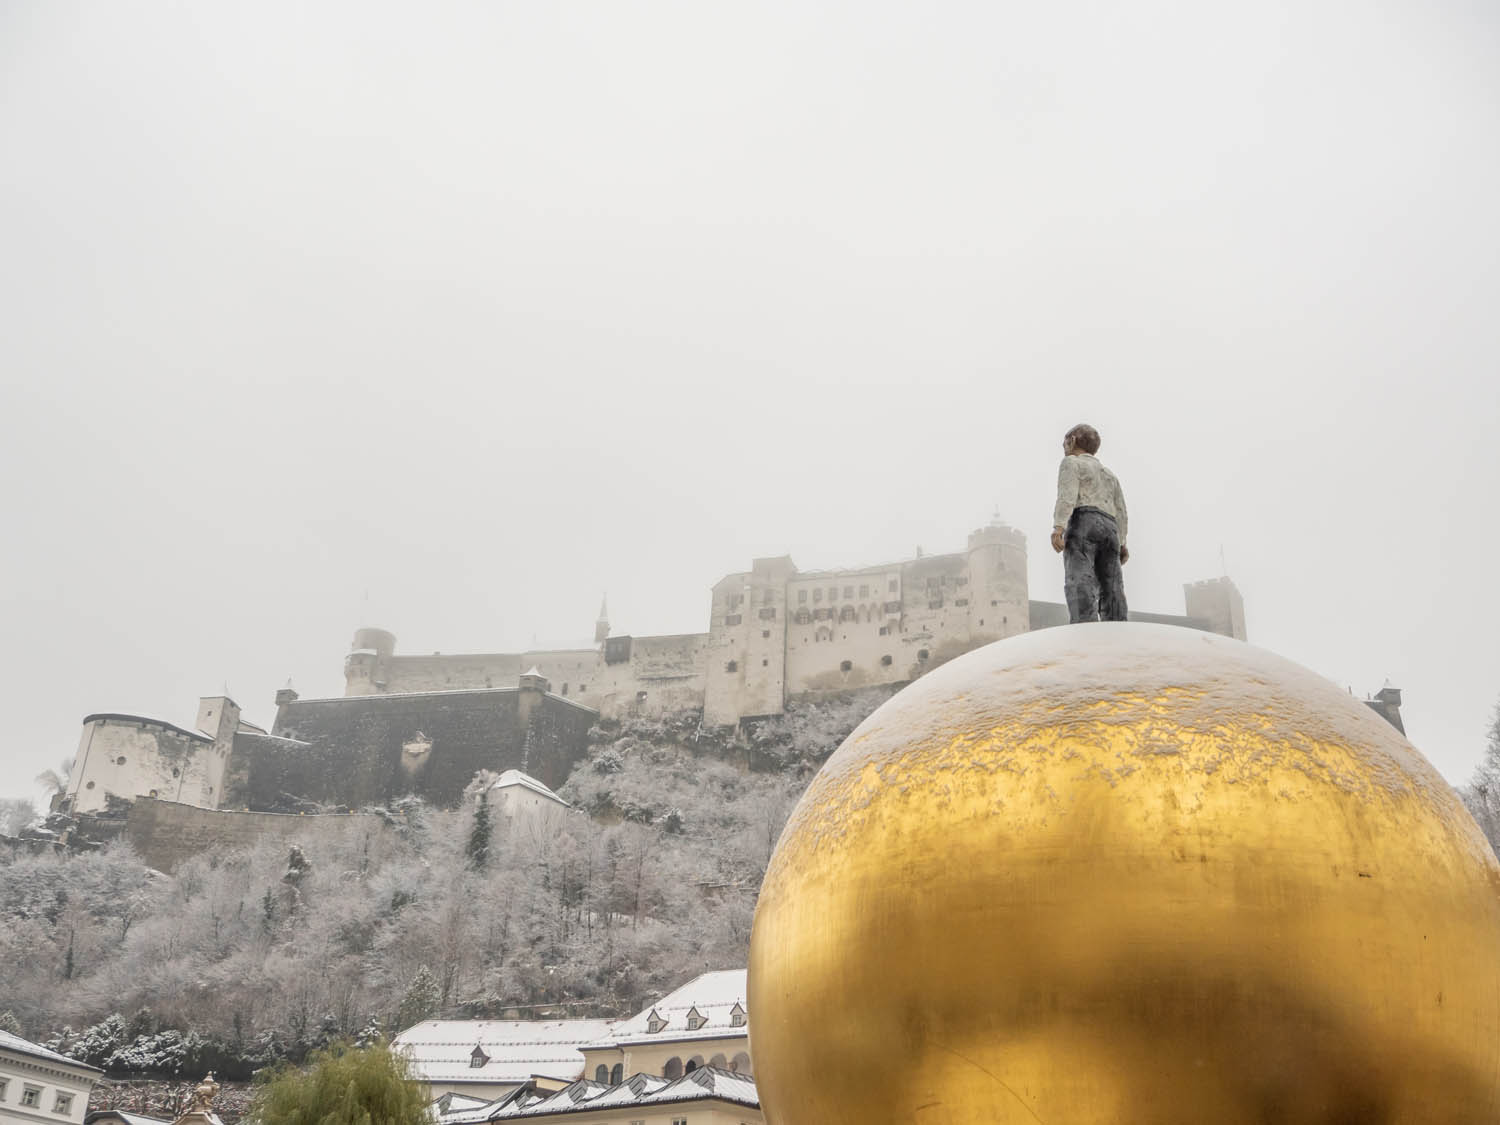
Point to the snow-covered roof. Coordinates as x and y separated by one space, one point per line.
9 1042
441 1050
526 781
637 1091
717 999
128 1118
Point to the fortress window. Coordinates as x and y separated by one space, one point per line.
90 785
120 761
962 582
885 661
864 591
846 666
617 1073
640 697
765 633
893 607
921 654
891 586
176 772
803 617
818 594
764 663
935 603
732 666
153 793
582 688
833 593
885 630
848 591
565 689
768 614
801 596
960 601
62 1103
732 619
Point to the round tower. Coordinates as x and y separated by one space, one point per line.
363 673
378 641
999 597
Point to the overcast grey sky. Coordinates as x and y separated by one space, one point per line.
448 317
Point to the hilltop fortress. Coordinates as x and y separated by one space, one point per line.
411 725
776 634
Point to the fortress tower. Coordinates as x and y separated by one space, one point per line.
998 601
364 672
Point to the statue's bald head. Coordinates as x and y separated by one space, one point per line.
1082 437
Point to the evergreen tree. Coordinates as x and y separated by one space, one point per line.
342 1085
420 1000
478 849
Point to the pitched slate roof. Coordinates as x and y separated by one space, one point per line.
713 997
637 1091
440 1050
9 1042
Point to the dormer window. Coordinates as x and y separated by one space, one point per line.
654 1022
478 1058
695 1019
737 1016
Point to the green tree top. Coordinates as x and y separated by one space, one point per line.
342 1085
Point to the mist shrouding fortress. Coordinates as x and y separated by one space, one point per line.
423 725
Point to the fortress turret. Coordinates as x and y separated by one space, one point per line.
1218 602
998 591
363 673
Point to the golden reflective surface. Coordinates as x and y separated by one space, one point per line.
1127 873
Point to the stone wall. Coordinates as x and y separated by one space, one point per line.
165 833
128 756
364 750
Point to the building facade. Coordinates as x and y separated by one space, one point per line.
42 1086
777 634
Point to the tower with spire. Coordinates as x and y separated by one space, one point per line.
601 627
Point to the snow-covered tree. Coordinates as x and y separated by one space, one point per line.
15 814
1482 794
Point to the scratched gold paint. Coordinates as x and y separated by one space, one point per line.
1119 875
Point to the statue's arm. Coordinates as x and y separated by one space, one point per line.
1067 492
1123 519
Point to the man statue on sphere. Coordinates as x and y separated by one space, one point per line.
1088 529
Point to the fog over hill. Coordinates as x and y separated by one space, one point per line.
450 318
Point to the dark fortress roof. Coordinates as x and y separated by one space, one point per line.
366 749
115 717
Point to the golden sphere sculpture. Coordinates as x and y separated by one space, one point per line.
1127 874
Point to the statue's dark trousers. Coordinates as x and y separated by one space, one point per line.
1092 581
